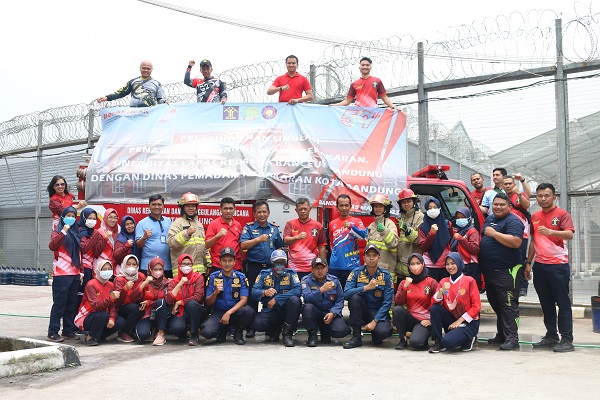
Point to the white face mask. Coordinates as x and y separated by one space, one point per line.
433 213
130 271
186 270
105 275
90 223
462 222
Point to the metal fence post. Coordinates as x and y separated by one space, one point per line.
423 110
38 183
561 122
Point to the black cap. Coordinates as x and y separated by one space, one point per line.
205 63
318 260
228 251
372 247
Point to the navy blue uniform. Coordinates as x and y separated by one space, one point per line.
235 288
370 305
288 304
258 257
317 305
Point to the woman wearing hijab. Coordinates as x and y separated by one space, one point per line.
98 311
60 198
153 303
67 272
465 241
125 243
455 309
186 293
109 228
414 292
92 243
434 239
127 283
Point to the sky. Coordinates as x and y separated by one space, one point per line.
57 53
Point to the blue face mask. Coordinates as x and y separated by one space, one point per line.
279 268
105 275
462 222
69 221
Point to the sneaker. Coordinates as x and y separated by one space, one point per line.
564 347
469 345
193 341
436 348
401 345
70 335
125 338
250 333
376 342
546 342
221 338
496 340
159 340
56 338
510 346
90 341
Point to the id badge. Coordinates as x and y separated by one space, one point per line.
163 239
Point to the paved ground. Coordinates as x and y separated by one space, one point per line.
262 370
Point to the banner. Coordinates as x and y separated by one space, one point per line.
248 151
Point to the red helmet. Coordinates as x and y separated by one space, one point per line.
188 198
407 194
380 198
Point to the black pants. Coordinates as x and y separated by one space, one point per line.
242 318
252 271
87 276
194 313
302 274
268 318
523 251
437 273
404 322
131 313
95 324
472 270
313 319
342 275
551 282
361 315
64 304
442 319
502 289
144 326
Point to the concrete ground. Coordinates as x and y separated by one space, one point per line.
265 370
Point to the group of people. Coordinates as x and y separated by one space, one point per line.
421 274
292 87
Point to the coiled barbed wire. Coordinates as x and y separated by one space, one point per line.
493 45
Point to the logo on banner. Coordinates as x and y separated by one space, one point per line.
250 113
269 112
231 113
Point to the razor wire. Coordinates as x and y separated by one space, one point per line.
494 45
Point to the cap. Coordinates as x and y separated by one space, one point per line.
228 251
318 260
278 255
372 247
205 63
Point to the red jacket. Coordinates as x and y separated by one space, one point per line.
91 248
120 251
151 295
425 242
462 299
417 297
193 289
468 246
62 265
96 297
132 295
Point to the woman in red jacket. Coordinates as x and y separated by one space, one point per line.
92 243
414 292
125 243
434 239
153 303
67 272
186 293
98 311
455 309
465 241
127 283
109 228
60 198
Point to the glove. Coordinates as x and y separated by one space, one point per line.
380 227
402 226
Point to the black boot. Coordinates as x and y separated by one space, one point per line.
325 338
312 339
288 330
274 334
356 340
238 336
250 333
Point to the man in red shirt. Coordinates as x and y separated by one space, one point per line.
552 227
305 238
291 85
477 182
366 89
224 232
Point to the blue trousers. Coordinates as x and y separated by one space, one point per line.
194 313
144 326
269 318
313 319
361 315
95 324
441 319
64 304
241 318
131 313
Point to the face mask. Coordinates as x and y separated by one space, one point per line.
279 268
462 222
105 275
131 270
186 270
433 213
69 221
90 223
157 274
